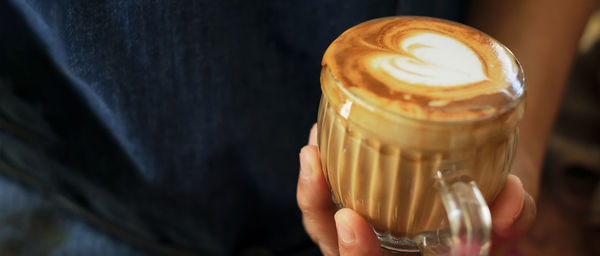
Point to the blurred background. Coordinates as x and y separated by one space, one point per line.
34 222
568 221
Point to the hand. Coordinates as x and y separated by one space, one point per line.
346 233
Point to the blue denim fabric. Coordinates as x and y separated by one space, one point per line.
179 122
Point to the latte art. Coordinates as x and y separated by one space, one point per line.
425 68
432 60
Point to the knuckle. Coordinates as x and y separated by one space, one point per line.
307 149
305 203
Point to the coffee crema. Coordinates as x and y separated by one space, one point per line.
425 68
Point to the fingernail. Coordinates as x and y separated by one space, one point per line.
305 172
345 233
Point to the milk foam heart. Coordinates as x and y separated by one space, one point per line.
425 68
433 60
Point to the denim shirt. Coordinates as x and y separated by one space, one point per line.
176 122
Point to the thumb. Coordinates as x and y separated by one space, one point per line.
355 237
513 211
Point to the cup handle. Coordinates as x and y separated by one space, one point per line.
469 218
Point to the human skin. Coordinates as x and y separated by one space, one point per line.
544 37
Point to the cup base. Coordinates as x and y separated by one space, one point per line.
398 245
426 243
399 251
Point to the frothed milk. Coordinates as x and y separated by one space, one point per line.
405 97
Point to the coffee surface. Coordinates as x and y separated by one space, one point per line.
425 68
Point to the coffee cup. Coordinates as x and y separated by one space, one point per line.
417 130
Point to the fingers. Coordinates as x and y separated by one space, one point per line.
314 200
346 234
312 139
355 237
513 211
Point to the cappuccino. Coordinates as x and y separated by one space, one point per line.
404 98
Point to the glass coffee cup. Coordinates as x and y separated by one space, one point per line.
417 130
